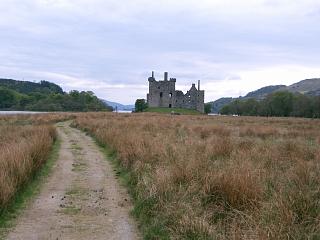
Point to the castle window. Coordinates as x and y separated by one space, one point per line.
170 105
170 95
161 93
159 87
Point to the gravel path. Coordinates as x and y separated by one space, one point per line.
81 199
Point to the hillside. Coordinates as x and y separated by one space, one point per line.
263 92
27 87
218 104
45 96
119 106
310 87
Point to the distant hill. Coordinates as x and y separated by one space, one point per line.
263 92
119 106
27 87
46 96
309 87
257 94
218 104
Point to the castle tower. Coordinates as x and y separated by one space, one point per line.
163 93
165 76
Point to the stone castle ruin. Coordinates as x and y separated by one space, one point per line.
164 94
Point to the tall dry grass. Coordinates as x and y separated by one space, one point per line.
35 119
220 177
25 143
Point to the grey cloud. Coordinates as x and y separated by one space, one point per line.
118 43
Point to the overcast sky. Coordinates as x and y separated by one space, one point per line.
111 46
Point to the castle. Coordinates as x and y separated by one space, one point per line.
164 94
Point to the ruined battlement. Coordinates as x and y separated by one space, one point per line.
163 93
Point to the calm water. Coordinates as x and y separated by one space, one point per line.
123 111
29 112
18 112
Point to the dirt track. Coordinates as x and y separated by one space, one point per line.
81 199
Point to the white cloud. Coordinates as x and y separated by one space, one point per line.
257 78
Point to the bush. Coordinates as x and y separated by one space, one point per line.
140 105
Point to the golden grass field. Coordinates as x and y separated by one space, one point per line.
205 177
191 177
25 143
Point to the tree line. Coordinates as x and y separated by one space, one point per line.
45 96
278 104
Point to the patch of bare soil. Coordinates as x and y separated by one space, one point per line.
81 199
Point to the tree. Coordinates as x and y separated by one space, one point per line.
302 106
8 98
52 88
46 96
280 103
316 107
207 108
250 107
140 105
226 110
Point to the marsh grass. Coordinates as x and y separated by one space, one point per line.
25 144
26 192
21 154
35 119
204 177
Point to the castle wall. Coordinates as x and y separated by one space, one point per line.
180 98
200 101
191 98
163 94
